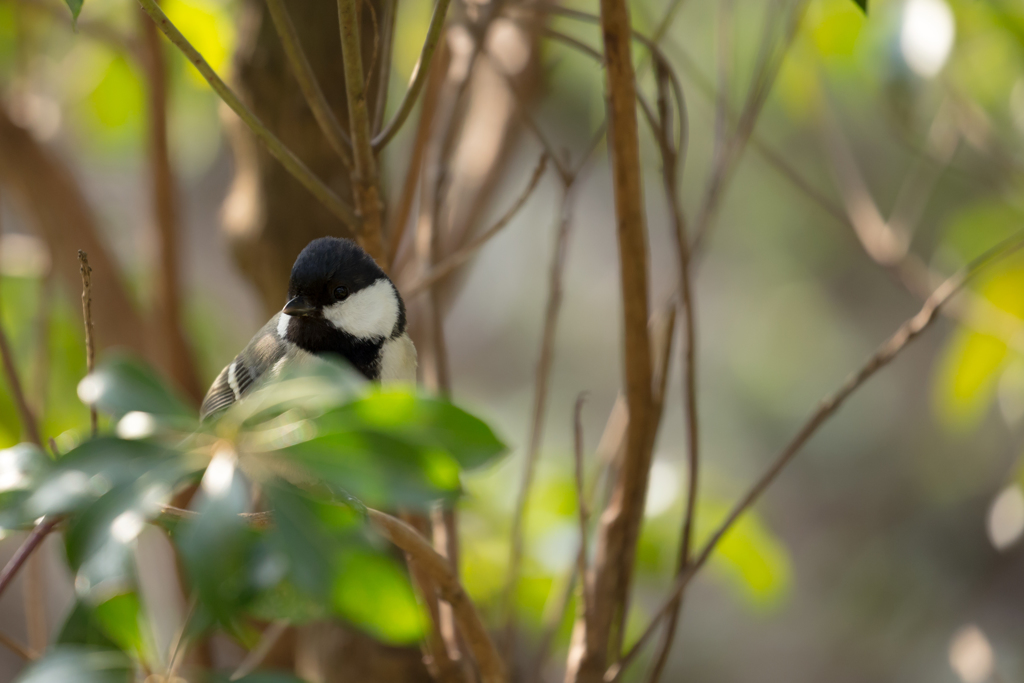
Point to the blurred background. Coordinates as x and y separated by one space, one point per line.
887 154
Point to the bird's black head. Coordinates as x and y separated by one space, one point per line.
340 301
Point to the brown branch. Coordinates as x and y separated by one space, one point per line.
29 424
431 98
454 260
336 136
277 149
168 338
17 648
885 354
256 656
419 75
670 164
90 348
27 548
364 168
479 642
725 163
620 522
542 378
445 532
581 504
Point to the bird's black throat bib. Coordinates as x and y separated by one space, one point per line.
319 337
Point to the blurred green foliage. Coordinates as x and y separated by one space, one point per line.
315 444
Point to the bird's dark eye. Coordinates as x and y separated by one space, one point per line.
341 293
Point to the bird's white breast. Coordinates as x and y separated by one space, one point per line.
398 360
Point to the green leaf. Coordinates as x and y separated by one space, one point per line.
286 602
76 8
80 664
427 422
82 628
99 541
373 592
228 562
95 467
863 4
378 469
122 384
121 619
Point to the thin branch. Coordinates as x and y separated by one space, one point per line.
174 353
725 164
479 642
904 335
399 218
277 149
27 548
466 252
670 163
256 656
90 347
364 169
581 504
17 648
620 522
308 83
28 419
419 76
540 396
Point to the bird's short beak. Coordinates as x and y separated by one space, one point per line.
299 306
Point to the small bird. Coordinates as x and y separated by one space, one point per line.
340 303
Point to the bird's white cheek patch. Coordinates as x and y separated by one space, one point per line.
369 313
282 325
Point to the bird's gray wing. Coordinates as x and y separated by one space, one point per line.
246 370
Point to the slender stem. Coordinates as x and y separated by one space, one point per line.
277 149
670 164
256 656
90 332
419 76
27 548
581 503
492 669
910 330
174 352
17 648
364 170
308 83
450 263
542 379
28 419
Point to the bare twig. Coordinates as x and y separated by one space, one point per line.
400 216
450 263
174 353
419 75
581 503
90 347
277 149
670 165
256 656
620 522
308 83
907 332
540 397
17 648
479 642
29 424
27 548
364 168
